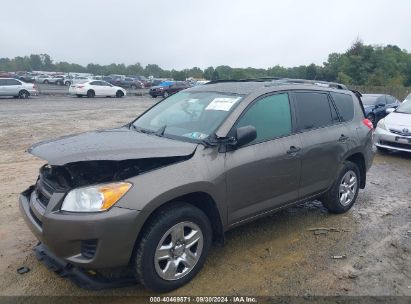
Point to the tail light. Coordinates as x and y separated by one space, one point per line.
80 86
368 123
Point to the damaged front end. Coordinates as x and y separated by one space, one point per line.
84 173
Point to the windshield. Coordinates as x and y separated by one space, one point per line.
371 100
404 108
193 115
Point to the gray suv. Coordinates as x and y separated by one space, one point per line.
153 195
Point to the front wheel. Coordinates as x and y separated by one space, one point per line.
173 248
343 193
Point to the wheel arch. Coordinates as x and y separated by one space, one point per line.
199 199
359 159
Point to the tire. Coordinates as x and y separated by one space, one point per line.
119 94
23 94
371 118
341 199
67 83
154 96
46 81
91 94
165 95
79 96
149 270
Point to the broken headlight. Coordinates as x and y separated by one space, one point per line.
94 198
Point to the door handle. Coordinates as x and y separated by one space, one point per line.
293 150
343 138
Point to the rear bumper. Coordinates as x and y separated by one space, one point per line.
388 140
92 240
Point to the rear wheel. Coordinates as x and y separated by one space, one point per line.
23 94
46 81
91 94
67 83
119 94
343 193
173 248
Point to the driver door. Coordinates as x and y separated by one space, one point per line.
264 174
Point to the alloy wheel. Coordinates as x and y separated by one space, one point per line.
178 251
348 187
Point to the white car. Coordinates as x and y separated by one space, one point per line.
394 131
17 88
96 88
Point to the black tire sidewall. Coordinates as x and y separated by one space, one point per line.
332 198
144 255
119 94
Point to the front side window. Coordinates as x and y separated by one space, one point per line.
194 115
13 82
270 116
314 110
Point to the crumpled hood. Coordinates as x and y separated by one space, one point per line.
398 120
113 144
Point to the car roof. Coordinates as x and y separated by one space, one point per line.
247 87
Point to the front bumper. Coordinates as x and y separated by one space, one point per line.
91 240
386 139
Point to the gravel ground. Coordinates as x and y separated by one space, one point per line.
277 255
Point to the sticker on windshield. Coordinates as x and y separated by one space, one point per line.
222 103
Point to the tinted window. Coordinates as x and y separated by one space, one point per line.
12 82
314 110
344 105
95 83
2 82
270 116
389 99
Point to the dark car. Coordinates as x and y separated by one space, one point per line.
153 195
168 88
375 106
146 83
128 82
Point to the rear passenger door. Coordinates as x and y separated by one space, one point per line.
324 140
264 174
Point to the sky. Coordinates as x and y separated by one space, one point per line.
182 34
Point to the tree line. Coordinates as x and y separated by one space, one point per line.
360 65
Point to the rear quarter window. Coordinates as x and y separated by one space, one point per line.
344 104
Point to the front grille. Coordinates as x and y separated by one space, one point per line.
88 248
44 192
395 144
400 132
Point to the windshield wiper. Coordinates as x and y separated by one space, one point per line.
213 140
160 131
141 130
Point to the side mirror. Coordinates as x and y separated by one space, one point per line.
245 135
389 110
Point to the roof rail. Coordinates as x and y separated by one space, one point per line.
280 80
311 82
259 79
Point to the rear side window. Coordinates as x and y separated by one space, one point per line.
344 105
12 82
314 110
270 116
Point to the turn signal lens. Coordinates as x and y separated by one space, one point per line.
368 123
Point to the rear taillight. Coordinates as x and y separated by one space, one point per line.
80 87
368 123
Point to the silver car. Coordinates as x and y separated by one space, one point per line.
16 88
394 131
